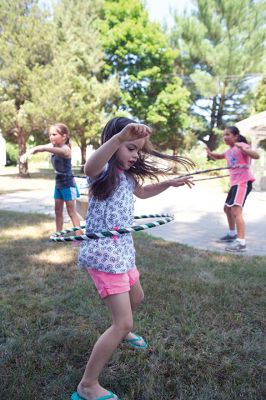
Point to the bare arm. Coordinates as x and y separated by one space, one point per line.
95 164
63 151
251 153
214 156
144 192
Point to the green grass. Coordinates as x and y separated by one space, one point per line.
203 317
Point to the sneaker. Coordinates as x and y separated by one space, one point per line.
236 247
227 238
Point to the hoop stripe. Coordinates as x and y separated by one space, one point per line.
58 236
215 169
198 172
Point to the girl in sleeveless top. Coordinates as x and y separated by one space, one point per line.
66 190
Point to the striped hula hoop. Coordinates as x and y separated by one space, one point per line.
59 236
204 171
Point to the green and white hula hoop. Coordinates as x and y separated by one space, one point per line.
59 236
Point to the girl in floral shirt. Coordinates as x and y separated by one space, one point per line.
115 172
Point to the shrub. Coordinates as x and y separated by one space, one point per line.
11 154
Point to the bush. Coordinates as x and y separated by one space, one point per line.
11 154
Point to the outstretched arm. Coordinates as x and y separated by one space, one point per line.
144 192
95 164
63 151
214 156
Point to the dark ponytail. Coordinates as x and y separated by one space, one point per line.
235 131
242 139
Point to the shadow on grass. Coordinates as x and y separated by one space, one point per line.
202 316
43 174
3 192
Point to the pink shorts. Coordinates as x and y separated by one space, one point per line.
108 284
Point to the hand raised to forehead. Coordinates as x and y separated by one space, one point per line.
134 132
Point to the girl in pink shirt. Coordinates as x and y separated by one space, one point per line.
238 157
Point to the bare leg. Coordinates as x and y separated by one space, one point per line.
71 210
59 219
240 223
136 297
120 308
230 217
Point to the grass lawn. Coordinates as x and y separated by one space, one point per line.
203 317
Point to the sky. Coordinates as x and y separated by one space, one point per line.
159 10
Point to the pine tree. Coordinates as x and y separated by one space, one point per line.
221 45
75 91
260 97
25 50
138 52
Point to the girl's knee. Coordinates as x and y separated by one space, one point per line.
58 211
139 298
71 210
124 327
72 213
227 210
236 211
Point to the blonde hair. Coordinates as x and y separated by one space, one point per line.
62 129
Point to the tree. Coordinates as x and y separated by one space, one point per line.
75 91
260 97
221 44
169 117
25 49
137 51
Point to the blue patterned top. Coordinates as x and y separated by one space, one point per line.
113 255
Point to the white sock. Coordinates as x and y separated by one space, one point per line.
232 232
241 241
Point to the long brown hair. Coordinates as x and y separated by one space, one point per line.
144 167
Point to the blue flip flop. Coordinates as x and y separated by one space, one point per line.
133 342
110 395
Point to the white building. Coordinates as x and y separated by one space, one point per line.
2 150
255 127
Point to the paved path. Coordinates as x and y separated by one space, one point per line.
199 218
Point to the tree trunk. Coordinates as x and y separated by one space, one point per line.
221 107
83 148
213 113
22 146
174 168
213 140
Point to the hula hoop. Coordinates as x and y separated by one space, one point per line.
59 236
204 171
212 177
